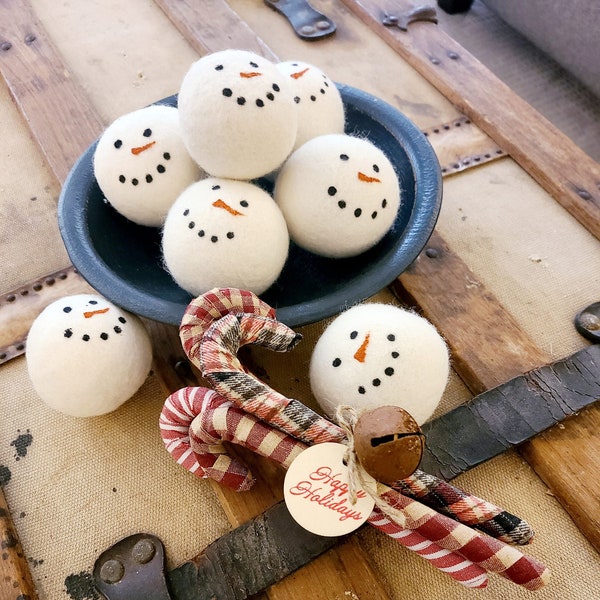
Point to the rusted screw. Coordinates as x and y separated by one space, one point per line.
112 571
143 551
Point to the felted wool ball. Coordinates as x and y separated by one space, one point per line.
86 356
318 100
237 114
339 195
378 354
224 233
142 165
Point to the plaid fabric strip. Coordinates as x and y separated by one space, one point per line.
458 567
203 311
485 551
466 508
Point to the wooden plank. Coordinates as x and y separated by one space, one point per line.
60 118
549 156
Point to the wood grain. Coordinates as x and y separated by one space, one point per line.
549 156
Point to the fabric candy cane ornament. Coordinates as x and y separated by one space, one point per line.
244 410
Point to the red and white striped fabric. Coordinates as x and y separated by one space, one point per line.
247 411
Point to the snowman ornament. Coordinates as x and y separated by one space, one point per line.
141 164
379 354
339 194
86 356
318 101
224 233
237 114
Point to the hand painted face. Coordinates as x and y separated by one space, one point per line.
377 354
141 164
318 101
237 114
339 194
90 320
225 233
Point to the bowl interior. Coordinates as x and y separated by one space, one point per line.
123 261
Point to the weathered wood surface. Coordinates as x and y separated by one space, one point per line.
549 156
459 310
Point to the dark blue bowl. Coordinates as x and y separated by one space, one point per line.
122 260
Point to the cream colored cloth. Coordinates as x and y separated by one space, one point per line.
76 486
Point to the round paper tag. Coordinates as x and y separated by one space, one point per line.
316 492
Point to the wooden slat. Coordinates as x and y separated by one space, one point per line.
61 119
549 156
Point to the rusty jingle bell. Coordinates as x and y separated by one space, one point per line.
388 443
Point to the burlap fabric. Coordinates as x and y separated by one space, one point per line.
76 486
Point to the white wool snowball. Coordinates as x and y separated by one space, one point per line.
237 114
318 101
142 165
339 195
224 233
378 354
86 356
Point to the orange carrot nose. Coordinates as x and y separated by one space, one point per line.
368 179
221 204
140 149
91 313
298 74
361 354
249 74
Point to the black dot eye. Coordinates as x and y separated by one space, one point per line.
186 212
147 132
118 144
122 320
148 178
376 168
395 354
253 64
358 212
93 301
337 362
122 178
230 235
191 225
344 157
219 68
167 156
331 190
214 239
244 203
215 187
361 390
67 309
376 382
241 100
374 214
383 203
389 371
227 92
353 335
68 333
275 87
391 337
342 204
104 336
160 168
85 337
260 103
117 329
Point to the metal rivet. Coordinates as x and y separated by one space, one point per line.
50 281
112 571
453 55
30 38
590 322
584 194
434 60
390 20
143 551
323 25
307 29
432 252
6 46
11 298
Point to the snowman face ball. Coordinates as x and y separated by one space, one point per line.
224 233
339 195
377 354
237 114
318 101
142 165
86 356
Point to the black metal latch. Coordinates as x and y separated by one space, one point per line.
308 23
